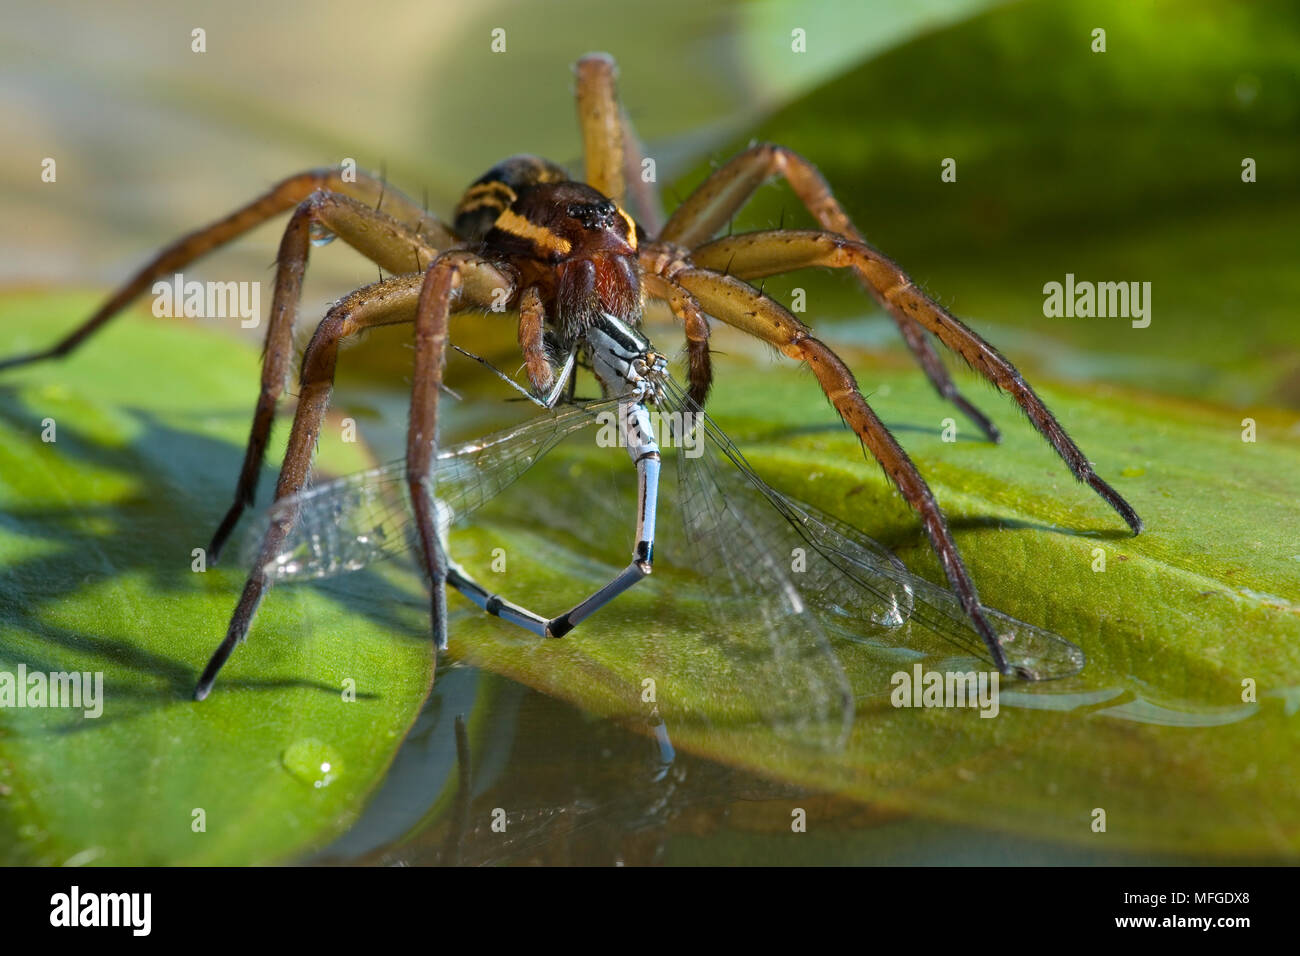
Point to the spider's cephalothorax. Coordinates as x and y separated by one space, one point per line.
575 246
576 267
572 247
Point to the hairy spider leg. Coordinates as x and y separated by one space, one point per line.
443 282
699 362
738 304
403 239
614 155
721 196
279 198
601 120
377 236
393 301
767 253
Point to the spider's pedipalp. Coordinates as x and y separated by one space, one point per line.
532 341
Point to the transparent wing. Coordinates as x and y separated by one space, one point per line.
769 634
348 523
1034 652
853 586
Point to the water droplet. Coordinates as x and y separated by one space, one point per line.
1247 89
313 762
320 236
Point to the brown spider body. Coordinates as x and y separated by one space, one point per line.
566 254
577 248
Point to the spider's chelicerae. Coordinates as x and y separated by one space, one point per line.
569 258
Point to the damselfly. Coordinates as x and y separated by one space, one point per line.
799 581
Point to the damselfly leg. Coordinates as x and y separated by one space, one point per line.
634 424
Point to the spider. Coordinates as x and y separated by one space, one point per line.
569 258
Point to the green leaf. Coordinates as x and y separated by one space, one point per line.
96 533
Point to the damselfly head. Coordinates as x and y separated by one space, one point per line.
652 367
623 359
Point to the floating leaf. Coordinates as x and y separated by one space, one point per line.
97 530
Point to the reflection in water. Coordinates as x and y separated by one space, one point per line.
495 773
1144 711
1070 695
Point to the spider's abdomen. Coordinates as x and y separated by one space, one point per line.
496 190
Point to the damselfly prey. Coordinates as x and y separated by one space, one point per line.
741 534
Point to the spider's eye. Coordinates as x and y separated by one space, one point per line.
592 215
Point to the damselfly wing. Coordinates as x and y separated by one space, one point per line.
349 523
852 585
785 581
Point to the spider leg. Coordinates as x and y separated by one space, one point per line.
281 197
444 281
720 196
393 301
380 238
642 193
699 361
387 302
739 304
765 253
612 152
